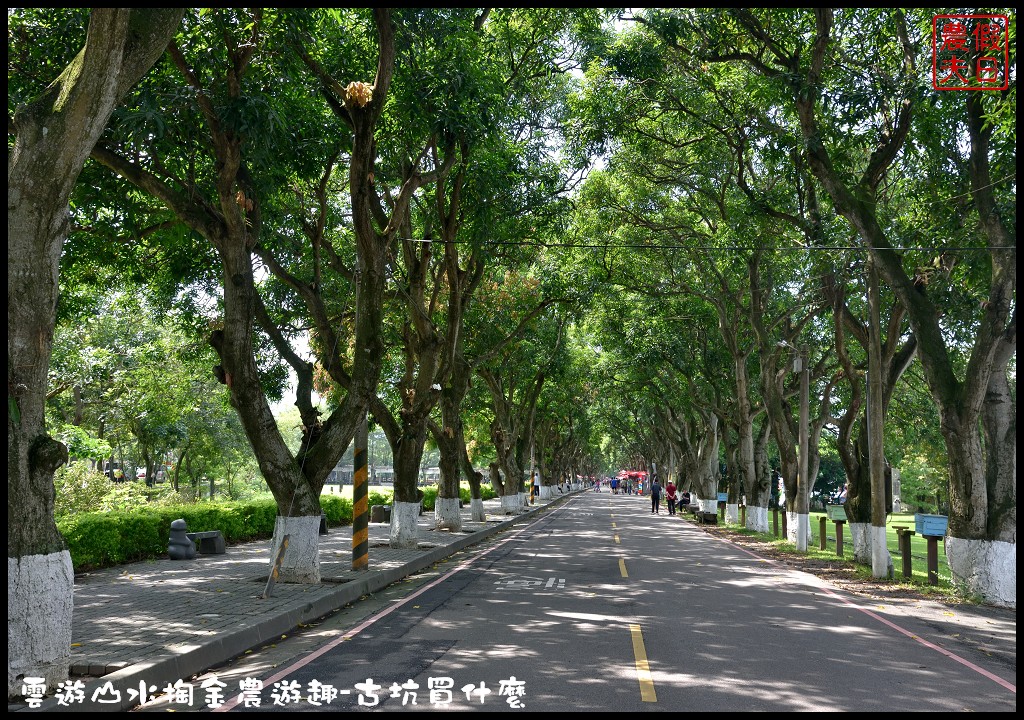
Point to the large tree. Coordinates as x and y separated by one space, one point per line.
54 131
223 175
976 408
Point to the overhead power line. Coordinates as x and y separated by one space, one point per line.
725 248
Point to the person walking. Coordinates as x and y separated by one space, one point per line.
670 495
656 497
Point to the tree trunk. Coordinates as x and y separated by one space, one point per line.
451 445
981 545
758 496
408 455
476 502
54 135
706 485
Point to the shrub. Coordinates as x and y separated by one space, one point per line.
79 488
379 498
338 509
429 497
487 492
102 539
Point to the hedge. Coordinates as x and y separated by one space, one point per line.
105 539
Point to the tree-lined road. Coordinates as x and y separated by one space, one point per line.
600 605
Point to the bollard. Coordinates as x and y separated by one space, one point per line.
743 515
775 521
360 499
180 545
933 558
822 529
721 512
839 537
785 522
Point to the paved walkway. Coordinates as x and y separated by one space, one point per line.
159 621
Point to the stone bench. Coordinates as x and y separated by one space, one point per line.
707 518
210 542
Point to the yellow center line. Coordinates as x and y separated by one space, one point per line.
643 670
617 540
622 567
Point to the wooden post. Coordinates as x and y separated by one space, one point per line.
904 535
839 537
276 572
933 558
775 520
822 530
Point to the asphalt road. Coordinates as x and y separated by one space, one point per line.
601 606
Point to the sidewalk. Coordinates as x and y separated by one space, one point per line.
163 620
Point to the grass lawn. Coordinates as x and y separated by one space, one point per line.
918 547
919 552
345 491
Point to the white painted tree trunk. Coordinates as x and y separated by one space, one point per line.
988 568
793 521
881 561
524 502
405 531
476 510
511 504
757 518
301 562
447 515
860 534
546 492
710 505
39 605
732 513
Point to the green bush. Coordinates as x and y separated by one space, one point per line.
103 539
379 498
429 497
487 492
79 488
338 510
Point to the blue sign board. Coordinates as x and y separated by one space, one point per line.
934 525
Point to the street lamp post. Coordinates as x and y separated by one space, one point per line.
803 483
801 503
880 560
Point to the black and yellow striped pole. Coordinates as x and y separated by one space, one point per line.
360 501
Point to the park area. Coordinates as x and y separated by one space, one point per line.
845 571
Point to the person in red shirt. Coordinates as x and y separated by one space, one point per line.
670 494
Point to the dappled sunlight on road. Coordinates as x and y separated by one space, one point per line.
589 617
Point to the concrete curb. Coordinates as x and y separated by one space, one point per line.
167 668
